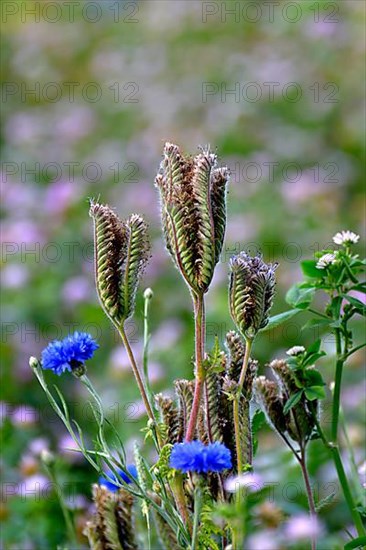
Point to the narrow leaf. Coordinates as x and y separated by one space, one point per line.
277 320
292 401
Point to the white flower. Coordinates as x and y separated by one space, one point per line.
302 527
325 261
295 350
346 237
252 482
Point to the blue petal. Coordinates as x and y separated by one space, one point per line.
194 456
61 355
114 486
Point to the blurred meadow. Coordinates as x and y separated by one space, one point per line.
90 93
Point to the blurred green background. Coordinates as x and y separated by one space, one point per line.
91 90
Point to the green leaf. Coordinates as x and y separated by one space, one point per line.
310 270
315 347
356 543
325 501
361 510
258 420
300 298
315 392
313 377
357 304
292 401
312 358
277 320
316 322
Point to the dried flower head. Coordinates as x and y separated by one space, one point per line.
300 421
171 418
346 237
193 210
268 395
121 253
252 284
326 260
112 524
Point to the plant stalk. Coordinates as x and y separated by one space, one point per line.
180 499
199 324
310 496
140 382
337 387
197 513
70 527
333 449
145 359
236 404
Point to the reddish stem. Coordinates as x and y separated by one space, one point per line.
199 324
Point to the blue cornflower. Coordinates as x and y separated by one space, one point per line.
194 456
68 354
131 468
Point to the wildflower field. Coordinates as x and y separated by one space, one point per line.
182 268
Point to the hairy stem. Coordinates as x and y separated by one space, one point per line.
310 496
197 513
236 404
199 325
145 359
180 499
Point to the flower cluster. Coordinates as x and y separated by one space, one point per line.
295 350
326 260
115 484
68 354
194 456
346 238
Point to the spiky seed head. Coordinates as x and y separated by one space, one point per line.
251 291
268 396
121 253
193 210
300 421
111 526
170 418
284 375
236 349
184 390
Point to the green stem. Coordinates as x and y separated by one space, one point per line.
355 477
140 382
236 404
353 350
310 496
337 387
318 313
145 360
197 514
65 511
199 324
238 533
346 489
177 488
333 449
